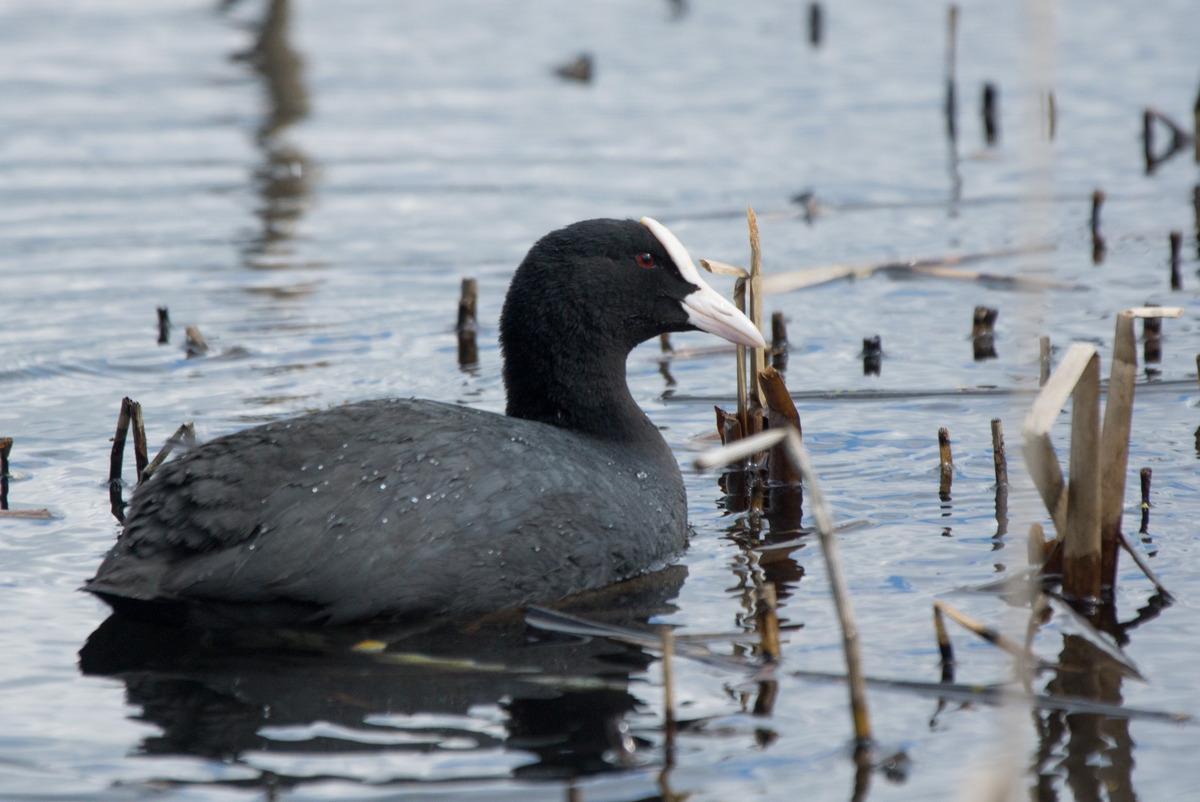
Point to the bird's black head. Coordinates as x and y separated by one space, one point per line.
585 295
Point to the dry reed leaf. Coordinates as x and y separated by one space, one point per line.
722 269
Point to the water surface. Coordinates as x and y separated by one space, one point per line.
310 192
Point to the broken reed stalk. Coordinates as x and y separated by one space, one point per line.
1079 366
1144 566
164 325
1000 465
185 434
781 413
999 458
951 103
983 334
140 458
5 450
668 680
872 355
779 341
1098 246
826 534
1051 115
1036 546
991 124
1043 360
728 426
755 302
816 26
468 324
129 416
117 455
937 267
743 412
992 636
841 591
1114 453
1196 127
1148 139
825 531
1179 138
1082 542
468 300
767 622
747 296
1152 340
1144 475
1087 514
1196 205
195 345
945 647
946 466
1176 238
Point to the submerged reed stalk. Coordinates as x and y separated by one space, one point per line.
991 123
1148 140
164 325
5 450
1144 475
1098 246
946 466
1176 239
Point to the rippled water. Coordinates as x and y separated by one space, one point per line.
308 183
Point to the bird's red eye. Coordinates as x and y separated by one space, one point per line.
645 260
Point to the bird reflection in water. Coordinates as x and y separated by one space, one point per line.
555 703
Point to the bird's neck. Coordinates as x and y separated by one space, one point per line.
581 392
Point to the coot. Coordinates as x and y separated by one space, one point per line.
410 509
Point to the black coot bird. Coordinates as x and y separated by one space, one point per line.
404 509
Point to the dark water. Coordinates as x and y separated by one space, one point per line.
309 182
